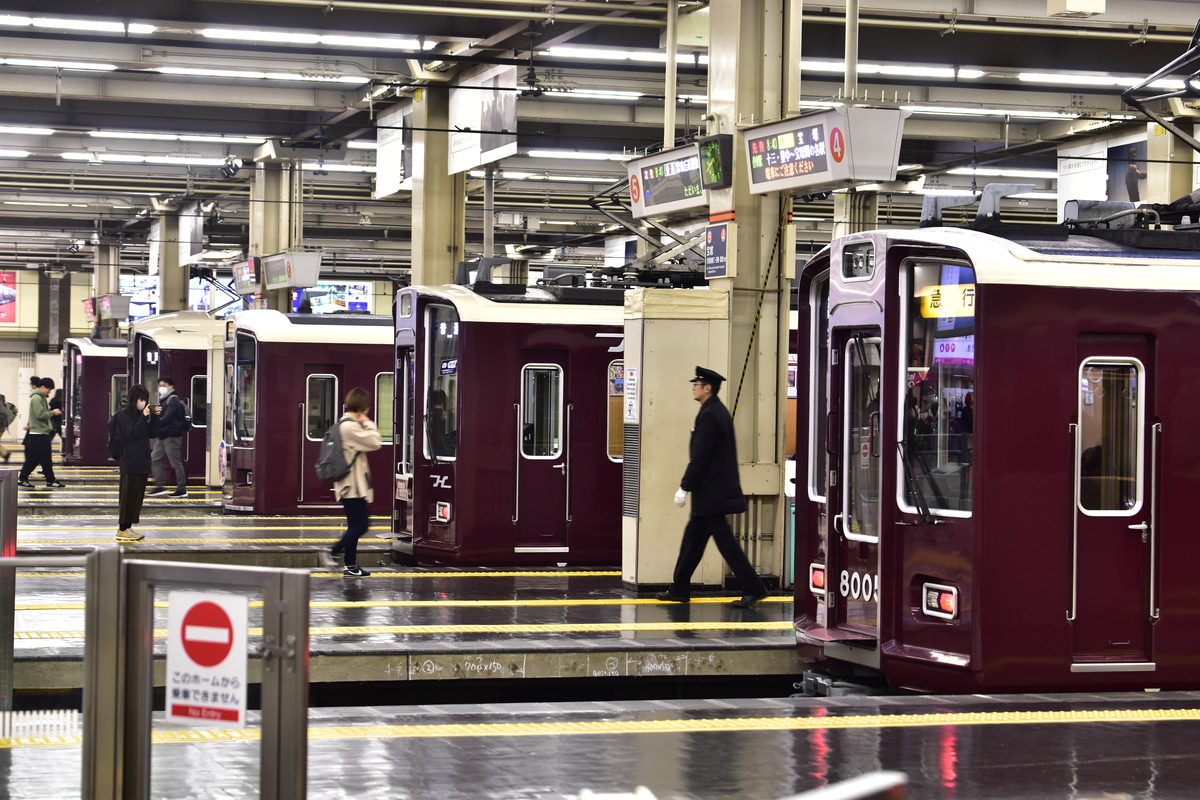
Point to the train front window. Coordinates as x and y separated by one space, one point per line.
117 394
384 382
938 398
323 406
616 424
818 390
149 362
441 370
1109 437
541 411
245 386
404 408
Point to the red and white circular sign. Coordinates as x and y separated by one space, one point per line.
837 144
207 634
635 189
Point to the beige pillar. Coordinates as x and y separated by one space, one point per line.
106 273
276 214
438 199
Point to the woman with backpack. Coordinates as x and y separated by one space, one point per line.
130 432
359 435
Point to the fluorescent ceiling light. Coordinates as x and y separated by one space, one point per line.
989 112
221 139
141 30
185 161
89 25
580 178
892 70
997 172
46 205
86 66
328 167
359 144
557 222
10 19
260 36
165 137
14 153
204 72
373 41
578 155
19 130
616 54
596 94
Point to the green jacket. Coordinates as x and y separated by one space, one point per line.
39 413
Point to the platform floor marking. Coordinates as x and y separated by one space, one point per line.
427 630
652 726
531 603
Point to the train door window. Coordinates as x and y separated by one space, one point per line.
541 411
937 388
75 382
118 393
200 401
405 409
818 388
441 371
384 382
323 406
616 422
1111 412
245 386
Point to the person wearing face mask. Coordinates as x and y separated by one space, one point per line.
171 428
136 425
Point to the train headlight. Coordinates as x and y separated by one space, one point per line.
816 579
940 601
441 512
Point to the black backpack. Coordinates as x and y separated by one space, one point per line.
331 462
114 439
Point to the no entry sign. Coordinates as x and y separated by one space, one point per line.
206 658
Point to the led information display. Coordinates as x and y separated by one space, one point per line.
835 149
666 182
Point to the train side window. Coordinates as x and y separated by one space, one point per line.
616 423
937 387
818 388
245 387
118 393
323 406
1109 437
541 411
440 423
384 381
200 401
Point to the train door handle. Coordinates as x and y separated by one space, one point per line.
1144 528
561 467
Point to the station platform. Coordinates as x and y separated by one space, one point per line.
1017 747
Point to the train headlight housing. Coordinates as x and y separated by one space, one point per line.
816 579
441 512
939 600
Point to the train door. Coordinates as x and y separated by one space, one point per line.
322 406
853 587
543 464
1113 600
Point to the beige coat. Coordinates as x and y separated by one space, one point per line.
357 438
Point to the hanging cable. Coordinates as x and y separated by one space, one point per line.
775 248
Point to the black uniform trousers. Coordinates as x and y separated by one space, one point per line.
38 453
691 550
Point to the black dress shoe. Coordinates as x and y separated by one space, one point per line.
670 597
747 600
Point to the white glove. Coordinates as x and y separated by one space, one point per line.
680 498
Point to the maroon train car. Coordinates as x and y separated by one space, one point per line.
999 494
510 403
286 377
94 384
185 346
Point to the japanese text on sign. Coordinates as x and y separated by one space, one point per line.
788 154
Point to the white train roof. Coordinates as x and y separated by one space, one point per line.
179 330
274 326
1001 261
541 307
88 347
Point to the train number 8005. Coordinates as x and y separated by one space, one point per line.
859 586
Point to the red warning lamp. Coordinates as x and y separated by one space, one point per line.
816 578
940 601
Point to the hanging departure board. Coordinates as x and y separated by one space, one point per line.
666 183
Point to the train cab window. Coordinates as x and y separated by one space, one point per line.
441 371
148 356
245 387
818 390
200 401
541 411
1109 437
383 405
937 391
858 261
616 423
404 408
117 393
323 406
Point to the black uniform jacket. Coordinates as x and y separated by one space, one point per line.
135 430
712 470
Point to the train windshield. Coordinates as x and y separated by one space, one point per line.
441 370
148 360
938 394
199 397
244 388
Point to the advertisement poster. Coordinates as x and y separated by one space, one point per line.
8 298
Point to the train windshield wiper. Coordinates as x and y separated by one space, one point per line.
429 440
914 486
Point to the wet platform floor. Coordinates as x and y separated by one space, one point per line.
1020 747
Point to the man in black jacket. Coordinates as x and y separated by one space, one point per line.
171 427
712 478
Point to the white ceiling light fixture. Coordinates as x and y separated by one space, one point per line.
247 74
82 66
140 29
577 155
617 54
358 144
88 25
21 130
376 42
596 94
1004 172
14 154
279 37
1014 113
328 167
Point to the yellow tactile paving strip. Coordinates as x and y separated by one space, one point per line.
556 602
418 630
650 726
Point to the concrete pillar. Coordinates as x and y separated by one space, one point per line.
854 211
106 273
439 200
176 241
1169 166
276 215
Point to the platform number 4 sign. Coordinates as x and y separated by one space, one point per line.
206 659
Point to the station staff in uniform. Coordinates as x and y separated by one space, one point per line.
712 479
